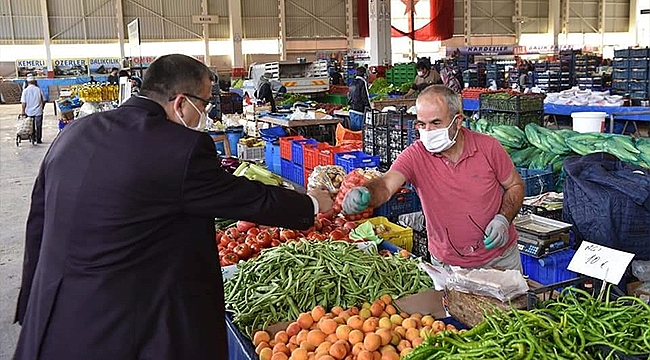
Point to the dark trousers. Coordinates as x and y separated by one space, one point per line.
38 127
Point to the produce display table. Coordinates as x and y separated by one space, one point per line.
323 130
627 113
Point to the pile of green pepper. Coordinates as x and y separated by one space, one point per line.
575 326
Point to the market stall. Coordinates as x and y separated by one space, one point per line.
323 129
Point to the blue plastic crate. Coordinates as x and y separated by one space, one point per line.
400 203
272 157
638 86
623 53
549 269
639 74
638 63
286 168
298 174
354 160
297 155
537 182
620 74
620 85
621 64
639 53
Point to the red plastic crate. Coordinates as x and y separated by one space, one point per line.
326 156
312 152
307 173
285 146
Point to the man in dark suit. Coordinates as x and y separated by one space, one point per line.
120 256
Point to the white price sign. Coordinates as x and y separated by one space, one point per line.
600 262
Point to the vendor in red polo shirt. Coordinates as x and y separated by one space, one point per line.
469 188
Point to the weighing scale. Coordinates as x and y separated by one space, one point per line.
540 236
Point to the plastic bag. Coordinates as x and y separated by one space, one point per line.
365 232
358 177
641 269
329 177
502 285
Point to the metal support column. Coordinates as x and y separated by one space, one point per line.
46 38
380 39
467 20
602 6
565 16
518 15
554 19
236 33
206 32
119 22
282 39
632 22
349 16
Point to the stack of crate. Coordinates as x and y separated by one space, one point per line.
400 74
631 73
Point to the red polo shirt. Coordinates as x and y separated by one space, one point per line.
449 192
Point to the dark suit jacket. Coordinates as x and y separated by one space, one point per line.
120 257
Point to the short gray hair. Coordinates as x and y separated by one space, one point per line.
452 99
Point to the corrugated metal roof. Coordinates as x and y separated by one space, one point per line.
66 28
28 8
28 27
5 28
102 28
64 8
174 8
101 8
219 7
220 30
260 8
261 28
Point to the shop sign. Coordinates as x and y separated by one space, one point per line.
70 67
487 50
600 262
145 61
542 49
36 67
103 66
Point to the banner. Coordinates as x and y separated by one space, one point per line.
103 66
145 61
70 67
36 67
440 27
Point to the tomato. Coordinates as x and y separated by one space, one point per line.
225 240
232 232
241 239
339 221
326 222
230 259
250 240
286 235
317 236
274 232
223 252
218 237
327 229
253 231
244 226
275 243
338 235
243 251
350 226
326 215
232 245
264 239
255 248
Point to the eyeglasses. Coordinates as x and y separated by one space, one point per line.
467 250
208 103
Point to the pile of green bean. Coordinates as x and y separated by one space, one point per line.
295 277
575 326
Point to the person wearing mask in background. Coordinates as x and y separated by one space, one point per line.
449 75
468 186
120 256
264 91
136 83
358 99
112 77
426 77
123 73
215 99
32 101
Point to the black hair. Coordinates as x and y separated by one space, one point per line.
114 69
424 63
361 71
123 73
173 74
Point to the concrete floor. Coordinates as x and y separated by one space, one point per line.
18 169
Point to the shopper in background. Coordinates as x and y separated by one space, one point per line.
264 91
33 101
136 84
449 75
336 78
215 99
123 73
120 256
26 83
358 99
426 77
469 188
113 78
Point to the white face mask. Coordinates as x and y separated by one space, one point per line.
420 73
203 118
438 140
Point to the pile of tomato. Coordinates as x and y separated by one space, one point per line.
246 240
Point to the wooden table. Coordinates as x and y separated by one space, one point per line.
323 130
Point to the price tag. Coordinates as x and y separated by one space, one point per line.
600 262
